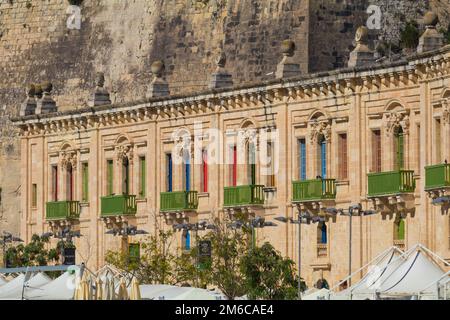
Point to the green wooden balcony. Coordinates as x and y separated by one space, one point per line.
62 210
437 177
313 190
179 201
123 205
391 183
243 196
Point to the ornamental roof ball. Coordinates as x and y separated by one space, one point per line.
430 19
31 90
362 34
38 90
157 68
288 47
100 79
47 86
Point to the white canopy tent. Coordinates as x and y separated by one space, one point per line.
62 288
13 290
415 275
3 281
378 269
411 275
166 292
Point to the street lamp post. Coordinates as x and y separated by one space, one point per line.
302 218
255 223
199 226
354 210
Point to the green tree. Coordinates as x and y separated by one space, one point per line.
32 254
229 245
156 264
268 275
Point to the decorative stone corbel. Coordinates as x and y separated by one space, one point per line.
394 120
318 128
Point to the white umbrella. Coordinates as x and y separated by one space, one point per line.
112 290
135 293
99 289
123 292
107 295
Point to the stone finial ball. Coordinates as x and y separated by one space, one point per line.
47 86
362 34
157 68
430 19
38 90
100 79
31 90
288 47
221 60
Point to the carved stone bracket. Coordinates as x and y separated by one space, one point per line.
319 128
68 157
124 151
394 120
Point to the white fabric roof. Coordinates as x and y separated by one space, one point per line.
13 289
62 288
417 273
156 292
321 294
2 281
366 287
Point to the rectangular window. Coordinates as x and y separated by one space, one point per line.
418 166
109 177
34 195
142 177
233 166
376 151
343 157
204 171
437 141
54 183
187 172
302 158
85 182
134 252
271 165
169 172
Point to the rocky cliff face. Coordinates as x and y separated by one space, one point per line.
122 38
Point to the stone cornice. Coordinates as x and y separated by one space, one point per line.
337 83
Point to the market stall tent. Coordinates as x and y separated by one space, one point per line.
14 289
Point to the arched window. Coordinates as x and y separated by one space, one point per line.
322 156
322 237
399 148
69 183
125 176
399 229
251 163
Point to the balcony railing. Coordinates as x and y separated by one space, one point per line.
437 177
314 190
391 183
62 210
243 195
123 205
179 201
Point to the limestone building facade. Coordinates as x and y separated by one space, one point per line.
374 138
